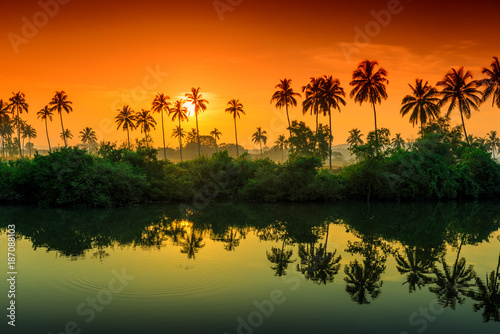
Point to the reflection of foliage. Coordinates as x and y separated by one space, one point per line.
231 238
417 264
317 264
363 280
192 244
488 295
281 259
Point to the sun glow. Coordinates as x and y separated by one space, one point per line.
190 108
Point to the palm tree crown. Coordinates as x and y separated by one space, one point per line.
126 120
44 114
200 105
235 108
179 112
146 122
285 97
260 137
88 136
19 104
492 82
59 103
422 105
354 138
161 104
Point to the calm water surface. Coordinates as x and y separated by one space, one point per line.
234 268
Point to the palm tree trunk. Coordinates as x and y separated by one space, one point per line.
128 138
89 146
261 154
147 141
282 154
197 132
19 132
376 129
288 118
163 134
236 136
463 125
47 132
62 126
29 145
180 139
330 120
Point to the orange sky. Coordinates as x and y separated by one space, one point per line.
102 53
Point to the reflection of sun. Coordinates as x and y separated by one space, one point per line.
190 108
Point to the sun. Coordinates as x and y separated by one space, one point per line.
190 108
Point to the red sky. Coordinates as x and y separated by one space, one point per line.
102 53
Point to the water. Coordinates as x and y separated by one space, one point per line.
234 268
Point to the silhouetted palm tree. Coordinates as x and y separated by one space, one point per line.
423 105
179 112
4 111
281 258
160 105
192 136
200 105
492 142
60 102
88 136
146 122
331 98
281 144
312 98
460 90
260 137
492 83
45 114
66 134
417 264
6 130
369 86
285 97
398 142
235 108
192 244
30 133
126 120
354 138
19 104
363 281
216 134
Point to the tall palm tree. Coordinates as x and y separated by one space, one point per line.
331 98
179 112
192 136
492 142
370 85
281 144
19 104
260 137
65 135
30 133
60 102
285 97
88 136
45 114
200 105
423 105
6 130
161 104
146 122
179 133
235 108
216 134
492 83
312 98
354 138
4 123
126 120
460 90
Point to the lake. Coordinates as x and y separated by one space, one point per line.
397 268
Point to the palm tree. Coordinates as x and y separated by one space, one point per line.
423 105
354 138
216 134
19 104
6 130
281 144
4 111
285 97
178 132
492 142
363 281
369 86
200 105
260 137
45 114
417 264
30 133
331 97
192 244
235 108
146 122
60 102
312 99
398 141
179 112
88 136
160 104
192 136
492 83
126 120
460 90
66 134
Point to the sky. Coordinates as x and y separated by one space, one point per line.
106 54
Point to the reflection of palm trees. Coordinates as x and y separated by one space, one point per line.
416 264
363 280
232 238
192 244
281 259
488 295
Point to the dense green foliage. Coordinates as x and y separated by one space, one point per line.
437 166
